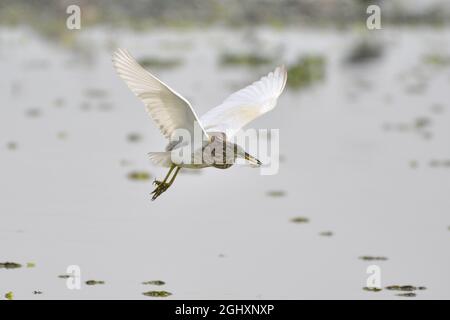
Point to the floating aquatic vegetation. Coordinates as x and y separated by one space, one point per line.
326 233
134 137
33 113
422 122
139 175
94 282
85 106
158 294
300 220
407 288
372 289
435 163
105 106
373 258
365 50
125 163
420 125
154 282
9 295
407 294
308 70
437 108
31 265
416 88
413 164
59 102
244 59
62 135
95 93
10 265
276 193
437 59
159 63
11 145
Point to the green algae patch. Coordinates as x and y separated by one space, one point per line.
308 70
9 295
95 93
300 220
373 258
94 282
244 59
33 113
157 294
159 63
407 294
437 59
276 193
364 51
372 289
134 137
10 265
154 282
31 265
11 145
139 176
408 288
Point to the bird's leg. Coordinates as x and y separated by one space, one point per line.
162 186
173 177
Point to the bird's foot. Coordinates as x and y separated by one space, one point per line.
161 187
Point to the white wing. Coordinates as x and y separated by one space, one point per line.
246 104
167 108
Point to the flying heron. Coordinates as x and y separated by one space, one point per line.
172 112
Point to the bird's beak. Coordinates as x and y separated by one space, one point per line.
252 160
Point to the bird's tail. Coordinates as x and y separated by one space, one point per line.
161 159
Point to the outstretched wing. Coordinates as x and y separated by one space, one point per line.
246 104
167 108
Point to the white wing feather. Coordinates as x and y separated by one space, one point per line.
167 108
246 104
